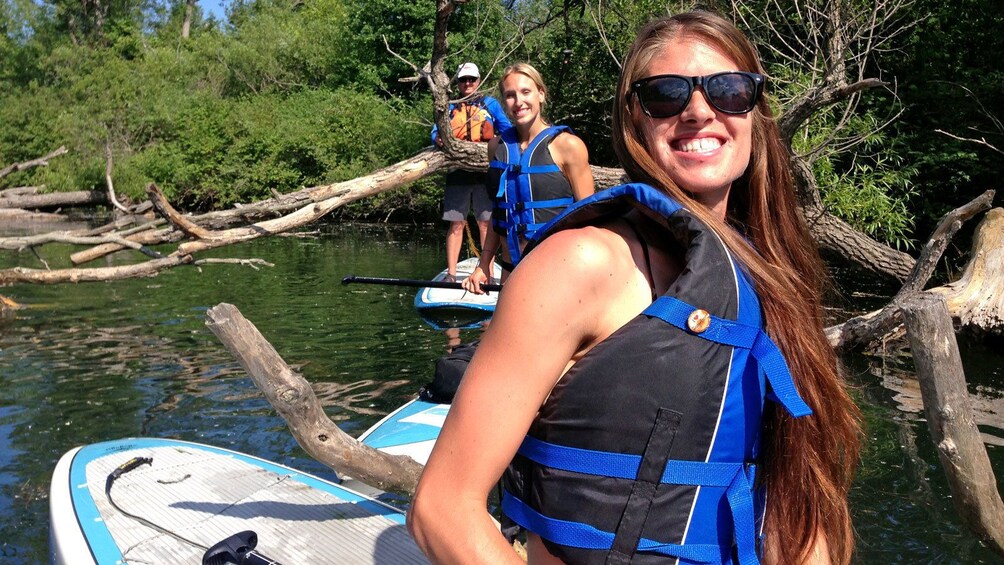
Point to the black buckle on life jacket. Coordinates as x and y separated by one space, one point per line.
515 169
519 206
521 229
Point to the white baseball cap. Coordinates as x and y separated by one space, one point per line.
468 70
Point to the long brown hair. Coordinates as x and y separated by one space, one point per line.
809 462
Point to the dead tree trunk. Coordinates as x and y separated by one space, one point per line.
53 200
291 395
40 162
981 311
950 418
977 299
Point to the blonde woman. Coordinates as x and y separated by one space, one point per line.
536 170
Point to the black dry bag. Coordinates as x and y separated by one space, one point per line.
449 370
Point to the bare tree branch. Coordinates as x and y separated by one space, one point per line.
865 328
108 179
40 162
981 141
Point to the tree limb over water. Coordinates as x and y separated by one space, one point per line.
951 420
981 278
294 399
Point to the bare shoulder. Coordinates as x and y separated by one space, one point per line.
575 271
588 254
569 143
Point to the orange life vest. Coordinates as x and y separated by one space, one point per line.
470 121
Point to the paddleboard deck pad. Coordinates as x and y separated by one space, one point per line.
190 496
442 303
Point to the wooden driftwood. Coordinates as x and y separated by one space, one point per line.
52 200
57 276
950 418
874 325
40 162
977 299
292 396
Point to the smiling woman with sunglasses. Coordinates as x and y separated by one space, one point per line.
655 386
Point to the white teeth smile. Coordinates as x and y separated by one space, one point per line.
702 145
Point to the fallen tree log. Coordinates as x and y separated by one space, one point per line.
19 191
428 161
294 399
874 325
54 200
977 299
950 418
11 215
41 276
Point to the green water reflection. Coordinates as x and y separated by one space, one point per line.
91 362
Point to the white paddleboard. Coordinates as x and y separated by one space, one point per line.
191 496
410 430
435 301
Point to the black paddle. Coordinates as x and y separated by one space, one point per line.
414 283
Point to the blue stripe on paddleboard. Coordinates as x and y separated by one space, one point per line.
99 539
103 545
422 304
415 422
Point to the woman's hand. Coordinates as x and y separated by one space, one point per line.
473 283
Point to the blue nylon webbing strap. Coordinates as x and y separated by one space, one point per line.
738 477
727 332
536 204
514 183
625 465
576 534
743 515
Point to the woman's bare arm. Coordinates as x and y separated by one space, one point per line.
540 325
572 157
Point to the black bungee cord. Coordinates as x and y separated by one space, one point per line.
237 549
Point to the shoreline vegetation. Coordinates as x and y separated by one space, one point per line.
291 111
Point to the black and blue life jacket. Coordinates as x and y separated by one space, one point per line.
645 451
531 187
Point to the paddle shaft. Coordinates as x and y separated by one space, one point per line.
414 283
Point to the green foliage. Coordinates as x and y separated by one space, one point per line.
861 173
219 119
950 75
407 28
242 150
291 93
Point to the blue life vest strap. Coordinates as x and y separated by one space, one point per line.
728 332
516 169
575 534
519 206
737 477
515 174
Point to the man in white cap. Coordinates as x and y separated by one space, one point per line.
475 117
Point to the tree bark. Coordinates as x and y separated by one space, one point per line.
40 162
866 328
41 276
53 200
294 399
837 236
950 418
977 299
186 25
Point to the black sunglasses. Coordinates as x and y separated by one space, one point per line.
467 79
731 92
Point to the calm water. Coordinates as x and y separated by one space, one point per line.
86 363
